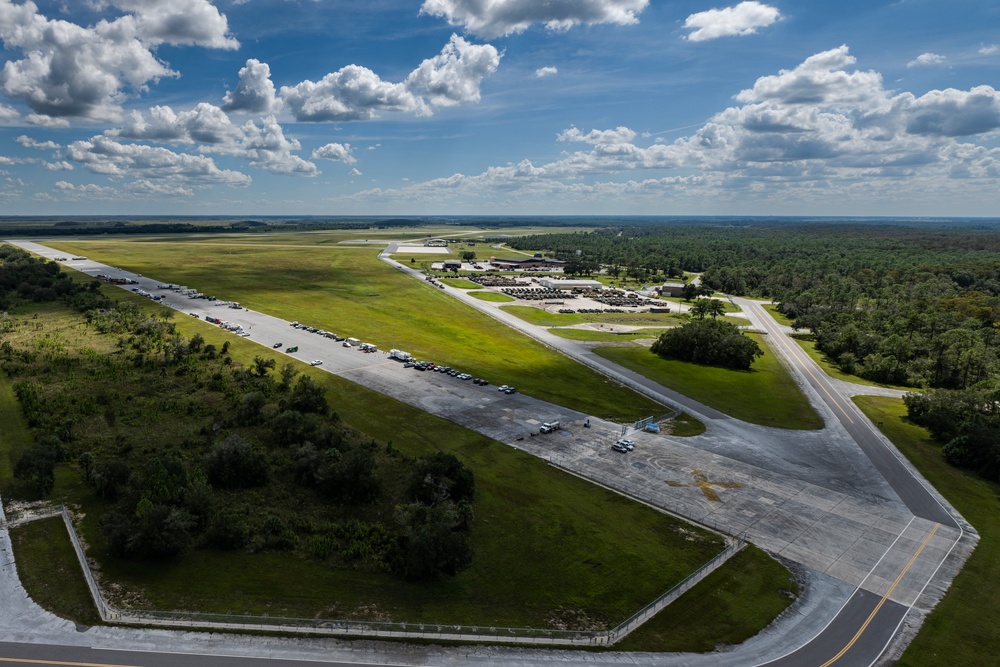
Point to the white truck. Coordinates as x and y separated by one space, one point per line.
399 355
549 427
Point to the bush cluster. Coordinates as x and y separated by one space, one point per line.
708 341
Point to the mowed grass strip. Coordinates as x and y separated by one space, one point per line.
727 607
962 629
603 336
461 283
766 394
50 571
543 318
494 297
351 292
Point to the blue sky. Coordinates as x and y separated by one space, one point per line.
339 107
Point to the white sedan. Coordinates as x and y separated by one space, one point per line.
316 362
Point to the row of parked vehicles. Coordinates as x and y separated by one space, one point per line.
455 373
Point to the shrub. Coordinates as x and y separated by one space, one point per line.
235 463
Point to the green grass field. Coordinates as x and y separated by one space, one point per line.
461 283
603 336
494 297
351 292
962 629
57 583
543 318
720 610
766 395
685 426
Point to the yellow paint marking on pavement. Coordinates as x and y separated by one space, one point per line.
885 597
26 661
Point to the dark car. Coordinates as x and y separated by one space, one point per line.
276 345
510 390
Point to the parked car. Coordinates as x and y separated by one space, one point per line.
510 390
503 387
316 362
276 345
627 444
619 447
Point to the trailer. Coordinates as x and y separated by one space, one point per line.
399 355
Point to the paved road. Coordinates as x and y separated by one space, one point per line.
888 536
910 489
70 656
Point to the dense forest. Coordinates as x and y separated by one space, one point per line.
185 448
915 305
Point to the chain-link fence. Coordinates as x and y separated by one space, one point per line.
389 630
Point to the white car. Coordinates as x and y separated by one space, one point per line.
503 387
627 444
316 362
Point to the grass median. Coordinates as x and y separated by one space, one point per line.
766 395
962 629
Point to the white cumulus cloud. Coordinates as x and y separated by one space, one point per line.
28 142
68 70
205 123
743 19
821 129
357 93
335 152
619 135
177 22
989 49
255 91
543 72
454 76
497 18
87 191
925 59
106 155
8 113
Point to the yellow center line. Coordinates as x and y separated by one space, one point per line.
881 602
794 350
26 661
